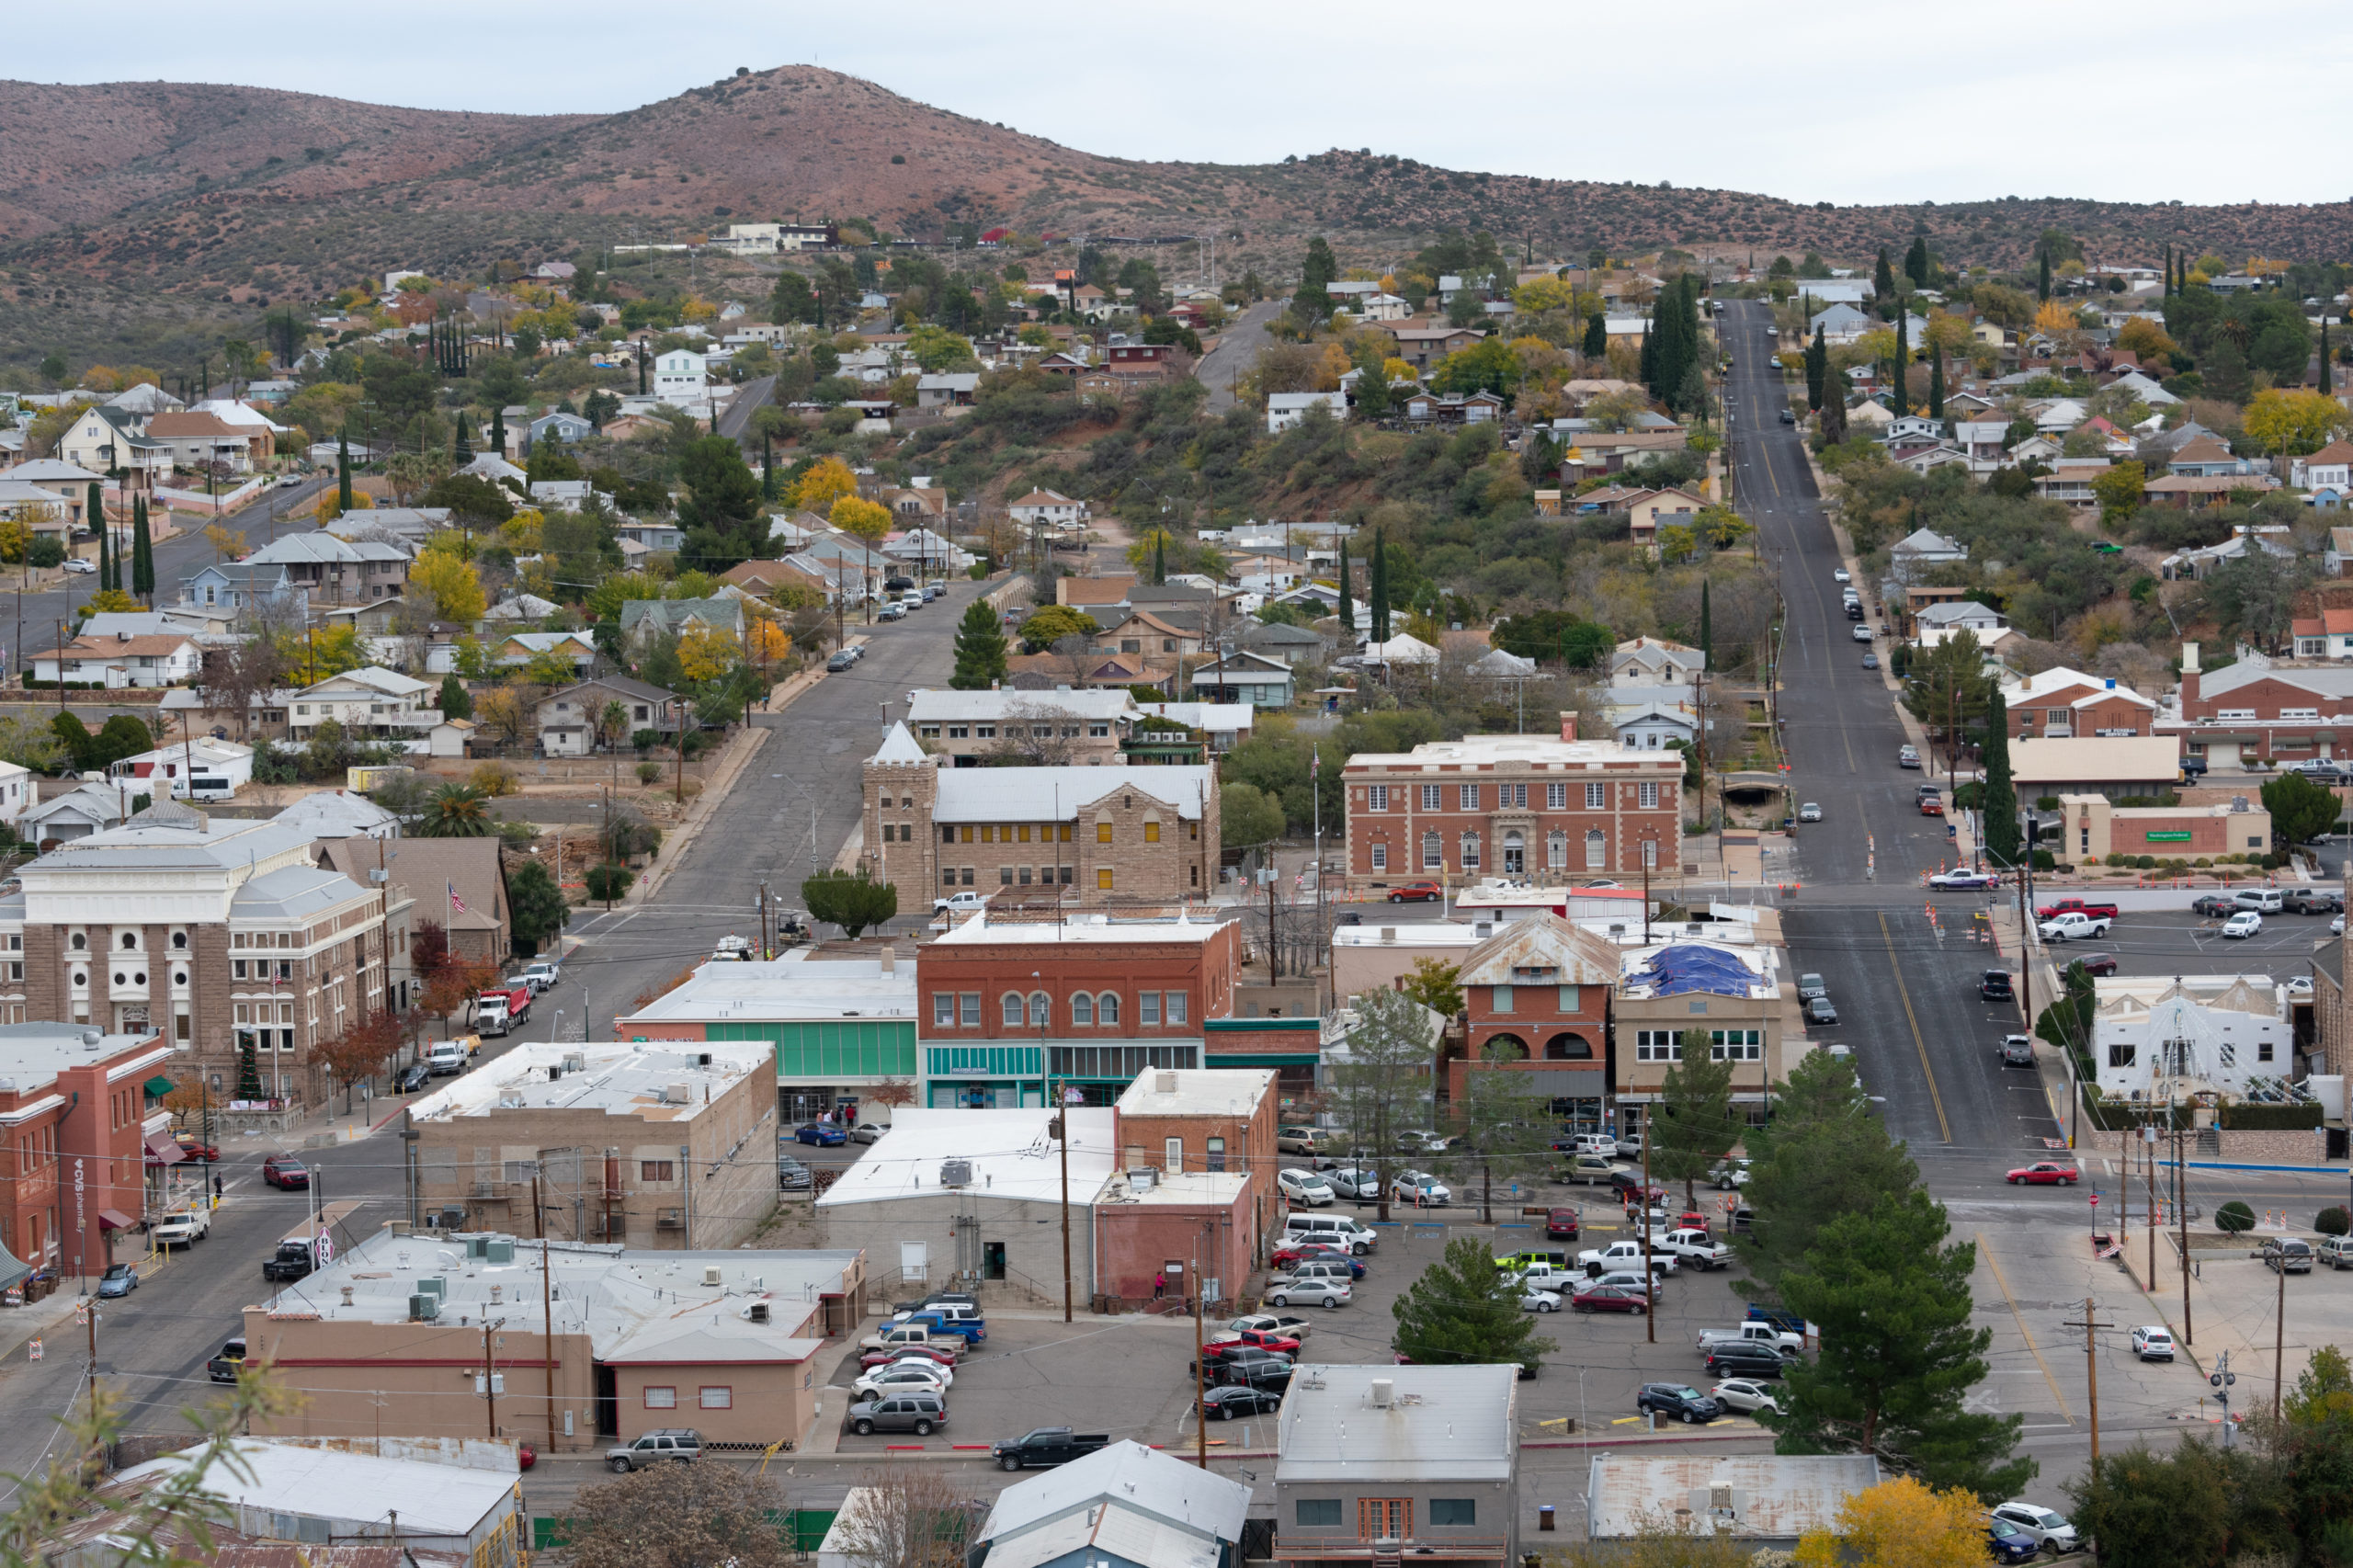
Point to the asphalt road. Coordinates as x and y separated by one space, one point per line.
1237 349
749 398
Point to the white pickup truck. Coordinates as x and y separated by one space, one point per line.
1628 1254
1751 1334
2072 926
1695 1247
183 1226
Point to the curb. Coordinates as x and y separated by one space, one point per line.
2231 1166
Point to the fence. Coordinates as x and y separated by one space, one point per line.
803 1529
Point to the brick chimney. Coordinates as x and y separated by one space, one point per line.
1568 726
2189 674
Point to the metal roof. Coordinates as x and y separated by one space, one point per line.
1440 1424
1769 1495
1133 1476
1055 794
1010 1154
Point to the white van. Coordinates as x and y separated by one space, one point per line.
1339 1230
446 1058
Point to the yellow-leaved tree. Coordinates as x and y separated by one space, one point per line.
2057 318
2296 423
1394 370
1903 1523
1543 294
452 585
706 653
2145 339
827 481
764 642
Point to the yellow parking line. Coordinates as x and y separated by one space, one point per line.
1934 1098
2024 1333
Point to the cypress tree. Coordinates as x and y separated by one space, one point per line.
2001 803
1160 557
1903 367
1650 362
1597 337
2325 384
2168 287
1937 386
2042 276
1817 368
1347 606
142 556
106 567
1380 592
1883 279
1915 262
1707 624
465 453
343 472
769 491
499 430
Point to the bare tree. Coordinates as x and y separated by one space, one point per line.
903 1519
680 1515
1040 734
236 677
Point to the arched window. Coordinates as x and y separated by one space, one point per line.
1557 850
1469 851
1013 1009
1432 858
1107 1007
180 939
1041 1007
129 940
1568 1048
1082 1009
1596 851
80 941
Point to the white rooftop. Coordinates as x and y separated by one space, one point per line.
31 1055
982 930
1131 1475
1195 1091
1091 703
1011 1154
1440 1424
796 986
356 1491
1775 1496
617 1078
1215 717
1541 751
1057 794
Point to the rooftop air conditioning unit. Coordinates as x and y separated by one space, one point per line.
1163 1083
575 1061
678 1093
1384 1392
1482 929
422 1308
955 1173
711 1275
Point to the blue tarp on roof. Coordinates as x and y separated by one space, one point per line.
1681 968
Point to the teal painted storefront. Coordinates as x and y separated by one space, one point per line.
998 1077
823 1061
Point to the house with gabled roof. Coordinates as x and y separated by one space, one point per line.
2331 468
1047 509
644 618
2207 458
570 718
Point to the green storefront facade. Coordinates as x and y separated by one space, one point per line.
823 1063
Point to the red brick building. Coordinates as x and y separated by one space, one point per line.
2062 703
1512 805
1541 985
1214 1122
1089 1001
1176 1229
2271 710
73 1143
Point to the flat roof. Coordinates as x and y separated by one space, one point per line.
1774 1496
796 987
1057 794
617 1078
981 930
357 1490
1091 702
2070 760
1541 751
32 1054
1195 1091
1439 1423
1011 1155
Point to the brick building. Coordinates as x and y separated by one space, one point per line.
73 1143
1089 1002
1097 835
2061 702
1732 992
220 934
1542 986
1511 805
1214 1120
2261 707
635 1144
2093 828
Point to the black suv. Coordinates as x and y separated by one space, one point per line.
1747 1359
1676 1401
1994 985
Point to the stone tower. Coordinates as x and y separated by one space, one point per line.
900 845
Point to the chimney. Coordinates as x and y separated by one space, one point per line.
2190 679
890 959
1568 726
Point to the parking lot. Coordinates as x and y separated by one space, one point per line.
2174 941
1130 1377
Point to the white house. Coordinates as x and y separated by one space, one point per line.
1287 409
681 376
2156 1037
2330 468
1955 617
16 791
1919 550
1654 661
1048 509
368 702
1839 323
197 770
125 659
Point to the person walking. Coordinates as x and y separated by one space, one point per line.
1159 1286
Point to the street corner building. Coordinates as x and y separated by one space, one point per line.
1377 1464
1512 805
1088 835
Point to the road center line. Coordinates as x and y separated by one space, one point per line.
1913 1020
2026 1333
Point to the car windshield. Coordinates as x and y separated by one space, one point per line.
1685 1393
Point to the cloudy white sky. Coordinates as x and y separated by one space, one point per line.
2155 101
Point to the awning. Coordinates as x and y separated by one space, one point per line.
113 1219
158 1086
12 1273
163 1149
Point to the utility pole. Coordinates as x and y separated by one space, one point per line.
2278 1336
490 1372
1650 1281
2090 1325
2181 1214
547 1300
2148 1158
2222 1379
1200 1374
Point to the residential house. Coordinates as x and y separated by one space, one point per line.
573 720
517 649
110 440
64 485
561 427
1423 346
190 770
519 607
164 658
240 586
1046 508
1224 724
2196 565
77 813
1647 511
1912 556
333 571
1840 324
2331 468
2196 492
1287 409
2070 481
1982 442
1141 632
915 505
2337 553
1956 616
343 813
198 439
1106 598
1072 728
2328 635
1282 641
2208 457
1506 800
641 618
1619 451
411 526
1239 676
17 792
368 703
1374 1462
561 494
1115 835
1654 661
1122 1507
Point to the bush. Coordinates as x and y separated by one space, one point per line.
496 780
2145 863
649 773
2332 1221
45 551
609 882
2116 858
2273 862
2234 1218
2204 863
645 740
2045 861
978 570
2046 803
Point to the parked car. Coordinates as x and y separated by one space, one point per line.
2097 963
892 611
1324 1290
1746 1395
840 661
1417 893
1994 986
1561 1225
822 1134
957 902
2246 923
1841 574
1305 1187
1412 1187
2052 1531
2073 928
2213 903
1540 1301
2312 901
2153 1342
2016 1050
182 1227
1230 1400
543 975
666 1445
2009 1543
1264 1338
904 1411
411 1078
2044 1172
1301 1140
2288 1255
1291 1255
1964 880
1862 633
890 1379
2263 901
1789 416
225 1368
2096 909
1747 1360
120 1279
284 1171
2335 1251
1811 986
1240 1355
1932 805
1907 756
75 565
1677 1401
1598 1298
792 1175
291 1261
1818 1010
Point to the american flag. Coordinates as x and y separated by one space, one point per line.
455 902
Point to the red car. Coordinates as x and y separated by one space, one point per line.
2097 963
2095 911
1417 893
195 1148
1317 1252
873 1358
1607 1299
1263 1340
1932 806
526 1456
284 1171
1561 1225
2045 1173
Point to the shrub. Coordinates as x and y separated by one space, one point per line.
649 773
2046 803
609 882
2116 858
495 779
2272 862
2234 1218
645 740
45 551
2332 1221
2145 863
978 570
2204 863
2045 861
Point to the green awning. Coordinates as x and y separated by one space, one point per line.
158 1086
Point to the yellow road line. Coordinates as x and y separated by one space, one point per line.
2024 1333
1911 1019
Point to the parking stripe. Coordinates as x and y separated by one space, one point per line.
2024 1333
1911 1019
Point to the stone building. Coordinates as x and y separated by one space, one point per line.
1097 836
1512 805
654 1147
219 933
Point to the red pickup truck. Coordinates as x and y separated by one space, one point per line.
499 1009
2075 907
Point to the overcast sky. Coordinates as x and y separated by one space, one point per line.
2163 100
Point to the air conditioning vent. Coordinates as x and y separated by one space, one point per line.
670 1219
955 1173
711 1275
424 1307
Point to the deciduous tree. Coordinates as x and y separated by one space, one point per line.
453 586
1378 1087
2293 422
685 1515
536 906
1899 1523
904 1518
849 900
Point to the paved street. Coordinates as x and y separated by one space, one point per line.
1236 350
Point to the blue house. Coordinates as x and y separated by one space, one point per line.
243 584
562 427
1122 1506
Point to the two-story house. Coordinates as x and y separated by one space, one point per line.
1376 1465
682 376
242 586
335 570
575 719
370 703
1048 509
2331 468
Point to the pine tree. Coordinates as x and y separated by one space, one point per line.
1379 592
457 702
2326 381
2001 803
105 566
1937 385
1650 362
1347 606
1915 262
1707 625
343 472
1883 279
142 556
980 649
1597 337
